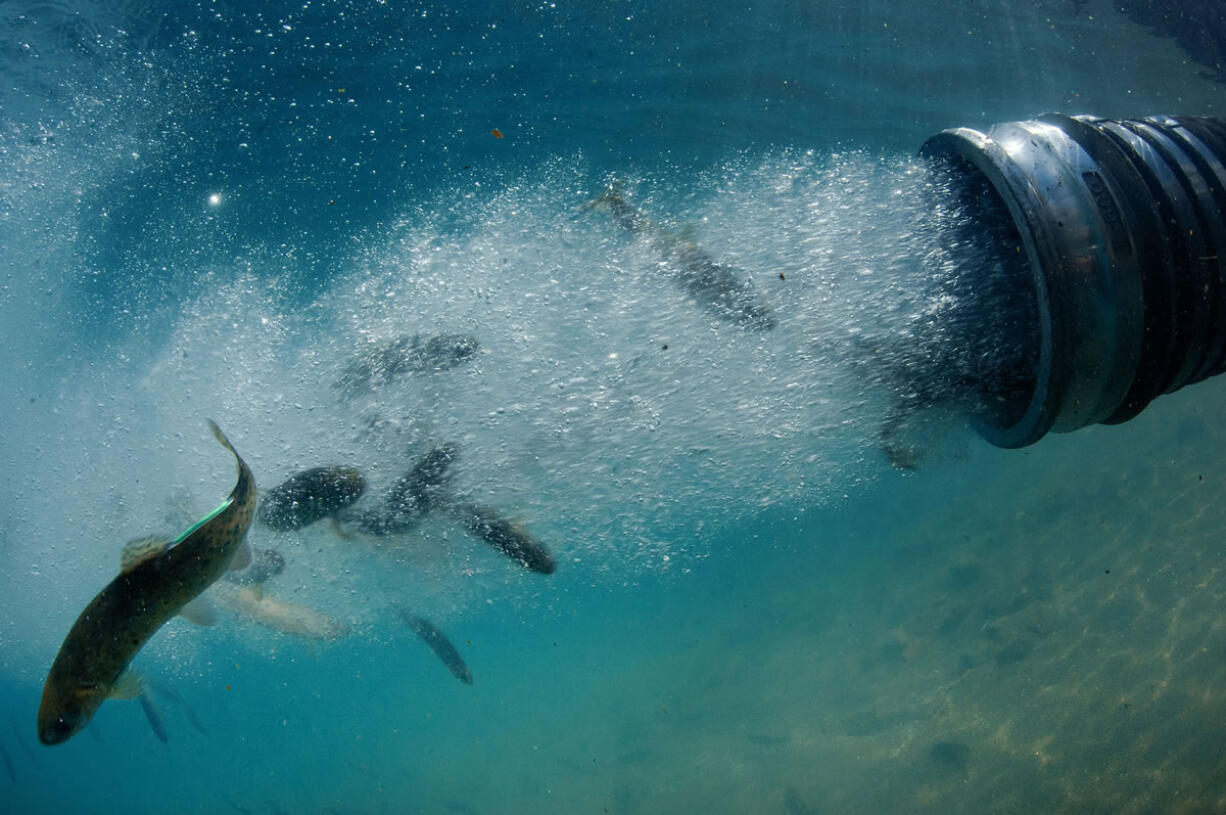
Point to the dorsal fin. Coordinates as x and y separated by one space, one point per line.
138 550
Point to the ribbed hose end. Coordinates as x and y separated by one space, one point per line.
1117 226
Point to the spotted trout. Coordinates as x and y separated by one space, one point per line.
717 287
152 587
433 636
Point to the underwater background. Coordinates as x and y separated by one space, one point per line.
212 209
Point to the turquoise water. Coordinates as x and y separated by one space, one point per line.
209 213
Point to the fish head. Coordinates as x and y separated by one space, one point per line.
67 706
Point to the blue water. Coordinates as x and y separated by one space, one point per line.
207 212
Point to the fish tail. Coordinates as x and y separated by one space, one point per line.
221 437
246 481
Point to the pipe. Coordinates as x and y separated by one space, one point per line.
1113 228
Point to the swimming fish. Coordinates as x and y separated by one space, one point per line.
177 698
388 361
121 619
154 718
424 488
427 488
310 495
251 603
428 484
439 644
509 538
719 288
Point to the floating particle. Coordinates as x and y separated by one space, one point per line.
496 133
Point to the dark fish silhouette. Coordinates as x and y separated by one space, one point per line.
424 488
427 488
309 496
148 592
439 644
176 697
388 361
509 538
155 718
721 289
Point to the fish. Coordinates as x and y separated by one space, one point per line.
426 488
439 644
251 603
509 538
892 435
123 616
420 491
176 697
154 718
309 496
388 361
721 289
428 484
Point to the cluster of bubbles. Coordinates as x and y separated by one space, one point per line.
603 403
605 407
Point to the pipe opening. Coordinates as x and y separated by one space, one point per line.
1099 276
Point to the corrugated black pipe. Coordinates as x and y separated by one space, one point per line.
1119 225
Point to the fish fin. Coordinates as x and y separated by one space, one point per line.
200 611
138 550
221 437
242 558
129 685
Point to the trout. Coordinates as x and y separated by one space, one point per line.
153 586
